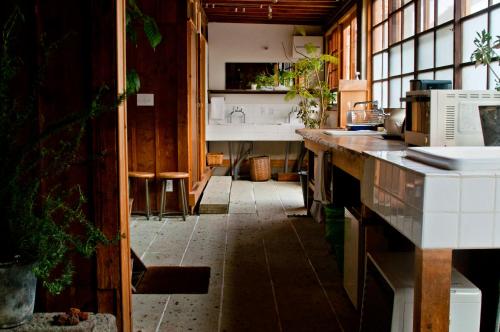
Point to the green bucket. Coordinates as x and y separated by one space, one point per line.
334 232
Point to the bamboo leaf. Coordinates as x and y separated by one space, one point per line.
152 31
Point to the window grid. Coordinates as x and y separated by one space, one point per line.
397 13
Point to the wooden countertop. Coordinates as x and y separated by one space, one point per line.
347 150
354 143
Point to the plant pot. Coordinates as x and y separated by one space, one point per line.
490 122
17 294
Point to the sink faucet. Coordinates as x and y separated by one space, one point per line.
294 109
237 109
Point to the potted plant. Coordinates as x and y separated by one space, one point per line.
485 55
310 88
264 82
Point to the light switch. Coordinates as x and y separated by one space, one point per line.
145 99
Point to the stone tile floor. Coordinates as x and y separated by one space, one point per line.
271 269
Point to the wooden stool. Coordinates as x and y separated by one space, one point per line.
146 176
181 176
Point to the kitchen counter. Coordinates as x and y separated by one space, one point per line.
425 204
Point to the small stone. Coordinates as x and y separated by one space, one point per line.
73 311
73 320
83 316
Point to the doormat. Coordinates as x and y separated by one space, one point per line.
173 280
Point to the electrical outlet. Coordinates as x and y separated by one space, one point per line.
170 186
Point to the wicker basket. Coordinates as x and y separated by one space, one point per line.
215 158
260 168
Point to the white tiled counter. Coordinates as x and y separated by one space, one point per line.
434 208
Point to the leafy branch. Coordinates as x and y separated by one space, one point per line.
312 91
485 53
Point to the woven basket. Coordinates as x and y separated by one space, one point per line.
215 158
260 168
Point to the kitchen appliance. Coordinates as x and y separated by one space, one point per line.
446 117
365 118
430 85
351 257
388 296
393 121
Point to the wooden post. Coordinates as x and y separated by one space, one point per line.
431 309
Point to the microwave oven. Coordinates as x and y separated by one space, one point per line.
388 296
446 117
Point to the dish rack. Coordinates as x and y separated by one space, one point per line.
365 117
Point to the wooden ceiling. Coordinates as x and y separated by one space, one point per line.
313 12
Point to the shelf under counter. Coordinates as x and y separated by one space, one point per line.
249 92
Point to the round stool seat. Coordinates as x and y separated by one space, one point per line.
173 175
141 175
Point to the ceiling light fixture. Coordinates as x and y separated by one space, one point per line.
261 6
243 10
269 12
213 5
236 9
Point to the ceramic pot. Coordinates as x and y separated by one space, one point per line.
490 123
17 294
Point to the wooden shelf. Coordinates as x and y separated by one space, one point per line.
249 92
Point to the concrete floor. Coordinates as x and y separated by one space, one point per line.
270 268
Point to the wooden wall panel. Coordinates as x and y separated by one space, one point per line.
85 60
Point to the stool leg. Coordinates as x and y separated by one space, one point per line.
162 201
148 209
186 204
183 198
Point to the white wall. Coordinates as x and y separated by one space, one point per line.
237 42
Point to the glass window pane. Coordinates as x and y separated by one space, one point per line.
377 66
472 6
385 43
444 46
426 51
377 39
474 78
385 64
495 2
385 94
395 93
395 60
493 81
385 9
409 21
406 86
426 14
395 28
426 76
445 74
408 56
495 23
377 11
445 10
469 30
377 92
394 4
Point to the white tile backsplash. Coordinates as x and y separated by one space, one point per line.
496 232
476 230
440 230
477 194
497 194
442 194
